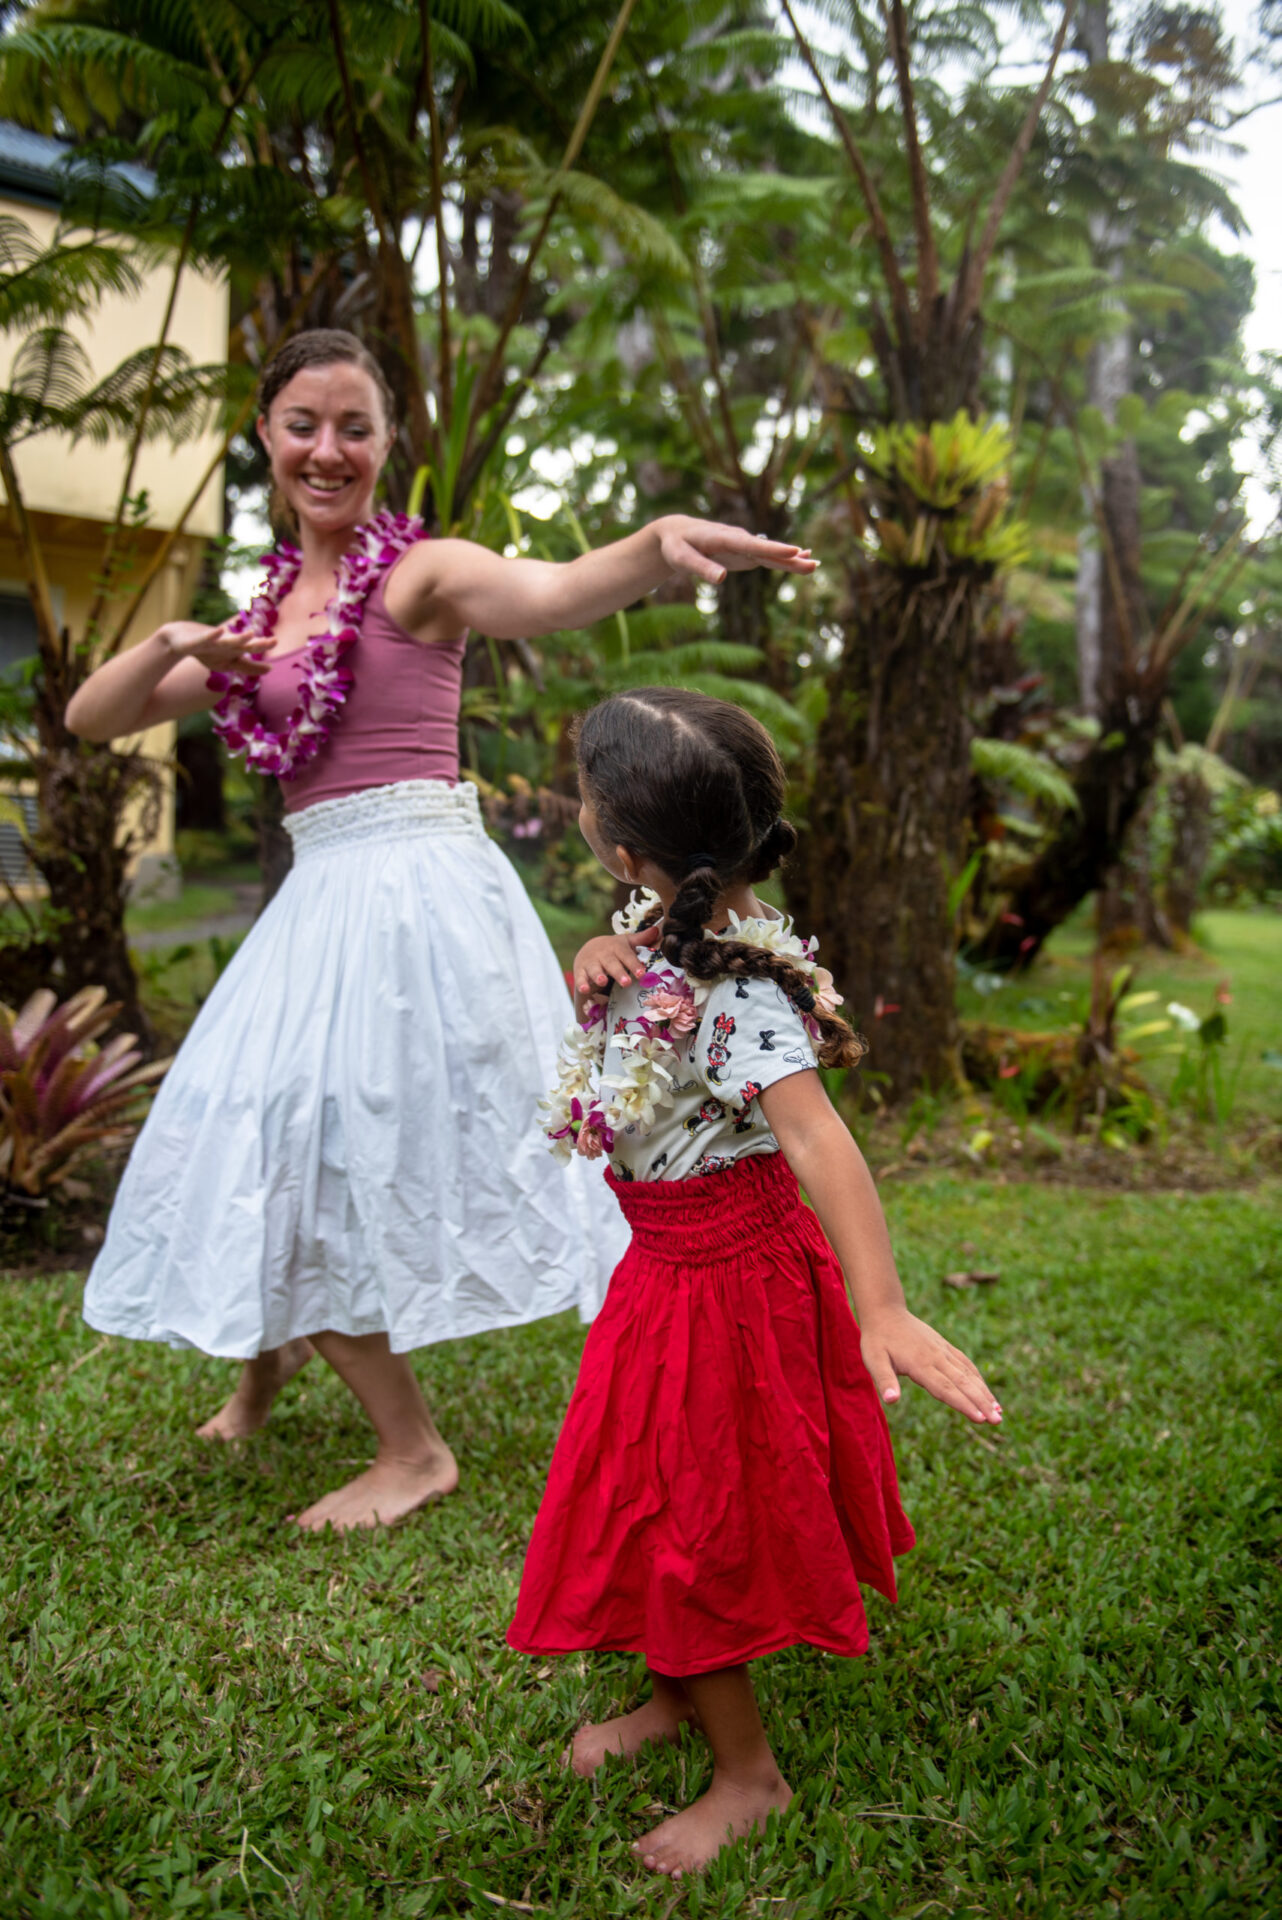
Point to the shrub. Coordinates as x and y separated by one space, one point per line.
61 1095
1247 862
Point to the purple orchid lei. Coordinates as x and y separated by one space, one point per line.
325 681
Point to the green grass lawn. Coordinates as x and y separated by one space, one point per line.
1239 949
207 893
199 900
1066 1714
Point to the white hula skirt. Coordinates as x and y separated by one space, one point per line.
347 1139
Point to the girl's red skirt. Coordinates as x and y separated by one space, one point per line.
724 1478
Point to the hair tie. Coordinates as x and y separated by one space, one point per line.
803 999
698 860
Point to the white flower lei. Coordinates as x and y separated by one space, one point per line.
579 1115
324 682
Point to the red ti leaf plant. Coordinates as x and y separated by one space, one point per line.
61 1095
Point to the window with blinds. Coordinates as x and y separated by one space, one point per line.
14 864
17 644
17 631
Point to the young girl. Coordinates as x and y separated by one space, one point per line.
342 1156
724 1478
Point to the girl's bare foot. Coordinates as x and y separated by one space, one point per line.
384 1493
730 1810
260 1381
661 1718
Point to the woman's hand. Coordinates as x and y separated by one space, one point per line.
896 1341
710 551
611 957
215 648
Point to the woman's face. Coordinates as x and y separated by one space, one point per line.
327 437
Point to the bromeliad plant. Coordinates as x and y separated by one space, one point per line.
61 1095
944 486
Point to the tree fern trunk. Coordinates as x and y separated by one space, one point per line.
1192 830
887 822
1128 910
1110 785
83 794
275 848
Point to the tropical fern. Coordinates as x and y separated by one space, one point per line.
1007 764
64 280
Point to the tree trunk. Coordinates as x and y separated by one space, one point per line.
744 599
1128 912
889 806
1112 629
1110 785
199 794
84 791
1192 830
888 821
275 848
396 336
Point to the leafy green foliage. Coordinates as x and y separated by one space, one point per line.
1247 862
1025 771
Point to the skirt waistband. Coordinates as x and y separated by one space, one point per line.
405 810
708 1216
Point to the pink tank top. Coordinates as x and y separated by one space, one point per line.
399 721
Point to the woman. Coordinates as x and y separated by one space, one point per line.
339 1159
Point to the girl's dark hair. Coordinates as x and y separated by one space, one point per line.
322 347
696 786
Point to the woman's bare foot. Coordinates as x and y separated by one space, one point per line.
730 1810
661 1718
384 1493
260 1381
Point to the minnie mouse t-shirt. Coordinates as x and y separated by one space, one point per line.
749 1035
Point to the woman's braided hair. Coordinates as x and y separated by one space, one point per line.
696 786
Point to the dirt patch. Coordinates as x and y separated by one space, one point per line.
977 1141
65 1235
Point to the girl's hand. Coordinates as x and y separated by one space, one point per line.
611 957
215 648
896 1342
710 551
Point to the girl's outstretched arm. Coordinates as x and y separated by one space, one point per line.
835 1176
443 586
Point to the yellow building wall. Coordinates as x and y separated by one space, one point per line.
83 481
71 490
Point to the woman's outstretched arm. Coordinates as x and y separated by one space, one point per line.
165 677
444 586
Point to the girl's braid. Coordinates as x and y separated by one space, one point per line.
669 771
686 944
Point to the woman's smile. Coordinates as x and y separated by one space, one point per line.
328 484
